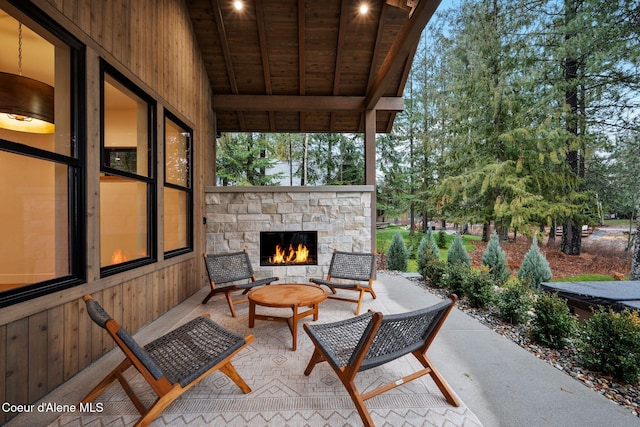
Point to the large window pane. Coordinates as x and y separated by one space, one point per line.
34 222
127 186
177 188
36 73
175 219
177 164
126 129
123 220
42 229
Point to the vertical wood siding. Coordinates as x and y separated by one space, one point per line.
152 41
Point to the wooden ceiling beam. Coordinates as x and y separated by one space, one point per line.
342 29
264 52
302 81
301 104
226 52
401 49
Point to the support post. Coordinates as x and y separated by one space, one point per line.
370 166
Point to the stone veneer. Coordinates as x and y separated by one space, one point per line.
340 214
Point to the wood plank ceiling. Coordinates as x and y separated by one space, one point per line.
307 65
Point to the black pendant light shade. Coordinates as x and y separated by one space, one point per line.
26 105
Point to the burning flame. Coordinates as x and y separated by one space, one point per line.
118 257
291 255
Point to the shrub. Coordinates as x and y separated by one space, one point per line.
535 267
397 257
457 254
553 324
421 256
427 252
455 279
514 303
610 343
478 287
435 274
442 239
496 260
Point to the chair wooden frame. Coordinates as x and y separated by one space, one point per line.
357 268
225 270
205 345
371 340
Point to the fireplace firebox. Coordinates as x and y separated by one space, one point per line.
288 248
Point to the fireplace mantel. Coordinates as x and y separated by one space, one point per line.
341 215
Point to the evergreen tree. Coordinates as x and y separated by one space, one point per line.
422 255
457 254
242 159
635 263
442 239
397 256
496 259
535 267
433 251
428 252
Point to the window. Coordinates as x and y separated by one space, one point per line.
41 157
127 179
178 230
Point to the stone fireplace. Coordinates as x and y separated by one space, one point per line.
337 217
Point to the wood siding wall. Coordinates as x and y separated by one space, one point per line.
44 342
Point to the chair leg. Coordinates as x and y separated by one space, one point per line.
372 292
230 302
208 297
361 294
231 372
316 358
102 385
358 402
437 378
158 406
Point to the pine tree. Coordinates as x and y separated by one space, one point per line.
535 267
457 254
428 252
432 247
397 257
496 259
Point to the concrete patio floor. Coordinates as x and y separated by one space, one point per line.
499 383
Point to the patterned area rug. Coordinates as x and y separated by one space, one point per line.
281 394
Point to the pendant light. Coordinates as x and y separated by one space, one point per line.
26 105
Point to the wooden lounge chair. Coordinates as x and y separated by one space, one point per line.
371 340
225 270
355 267
171 364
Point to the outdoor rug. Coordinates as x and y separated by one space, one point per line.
281 394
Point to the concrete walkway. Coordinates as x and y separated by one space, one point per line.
502 383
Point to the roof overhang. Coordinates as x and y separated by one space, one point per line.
308 65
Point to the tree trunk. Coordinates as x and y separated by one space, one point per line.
571 233
305 156
485 231
571 238
552 234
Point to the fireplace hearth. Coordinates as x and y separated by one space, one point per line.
288 248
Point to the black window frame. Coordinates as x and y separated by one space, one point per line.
150 180
188 190
75 162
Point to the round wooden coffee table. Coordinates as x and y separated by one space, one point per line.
291 295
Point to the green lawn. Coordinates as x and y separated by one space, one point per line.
586 278
384 236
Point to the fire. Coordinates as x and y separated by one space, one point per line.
290 255
118 257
